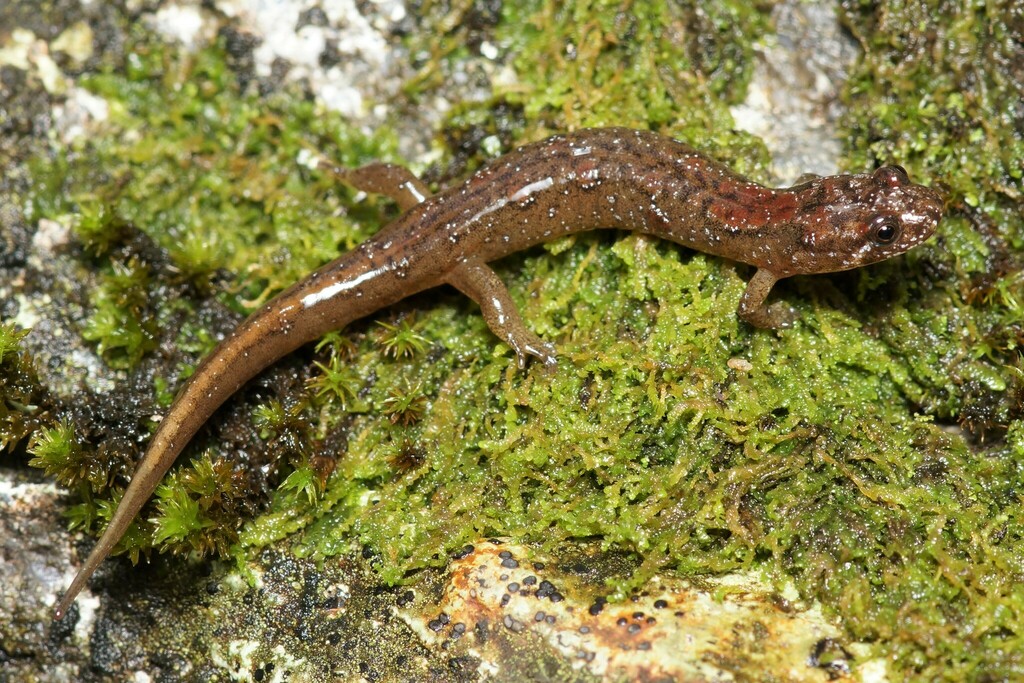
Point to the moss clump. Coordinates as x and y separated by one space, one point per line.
195 510
405 404
658 65
22 399
208 182
667 66
936 92
212 175
401 340
122 323
936 95
58 452
10 341
339 382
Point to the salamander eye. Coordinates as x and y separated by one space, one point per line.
893 176
885 230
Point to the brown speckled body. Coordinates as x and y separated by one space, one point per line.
600 178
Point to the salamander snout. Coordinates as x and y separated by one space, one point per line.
901 214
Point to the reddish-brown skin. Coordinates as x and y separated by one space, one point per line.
601 178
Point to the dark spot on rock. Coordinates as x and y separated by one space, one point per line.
314 16
405 598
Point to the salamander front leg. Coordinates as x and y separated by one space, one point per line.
476 280
390 180
752 306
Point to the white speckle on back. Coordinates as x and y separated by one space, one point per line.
336 288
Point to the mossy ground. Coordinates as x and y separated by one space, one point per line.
828 455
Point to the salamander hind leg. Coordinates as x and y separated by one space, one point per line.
476 280
390 180
754 309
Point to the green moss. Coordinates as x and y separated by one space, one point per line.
10 341
912 102
822 455
137 540
405 403
658 64
212 174
207 181
58 452
97 227
305 483
23 404
180 516
338 381
401 341
196 506
121 323
934 92
667 66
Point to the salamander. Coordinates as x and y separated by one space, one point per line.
597 178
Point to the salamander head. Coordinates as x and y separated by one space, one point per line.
849 221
